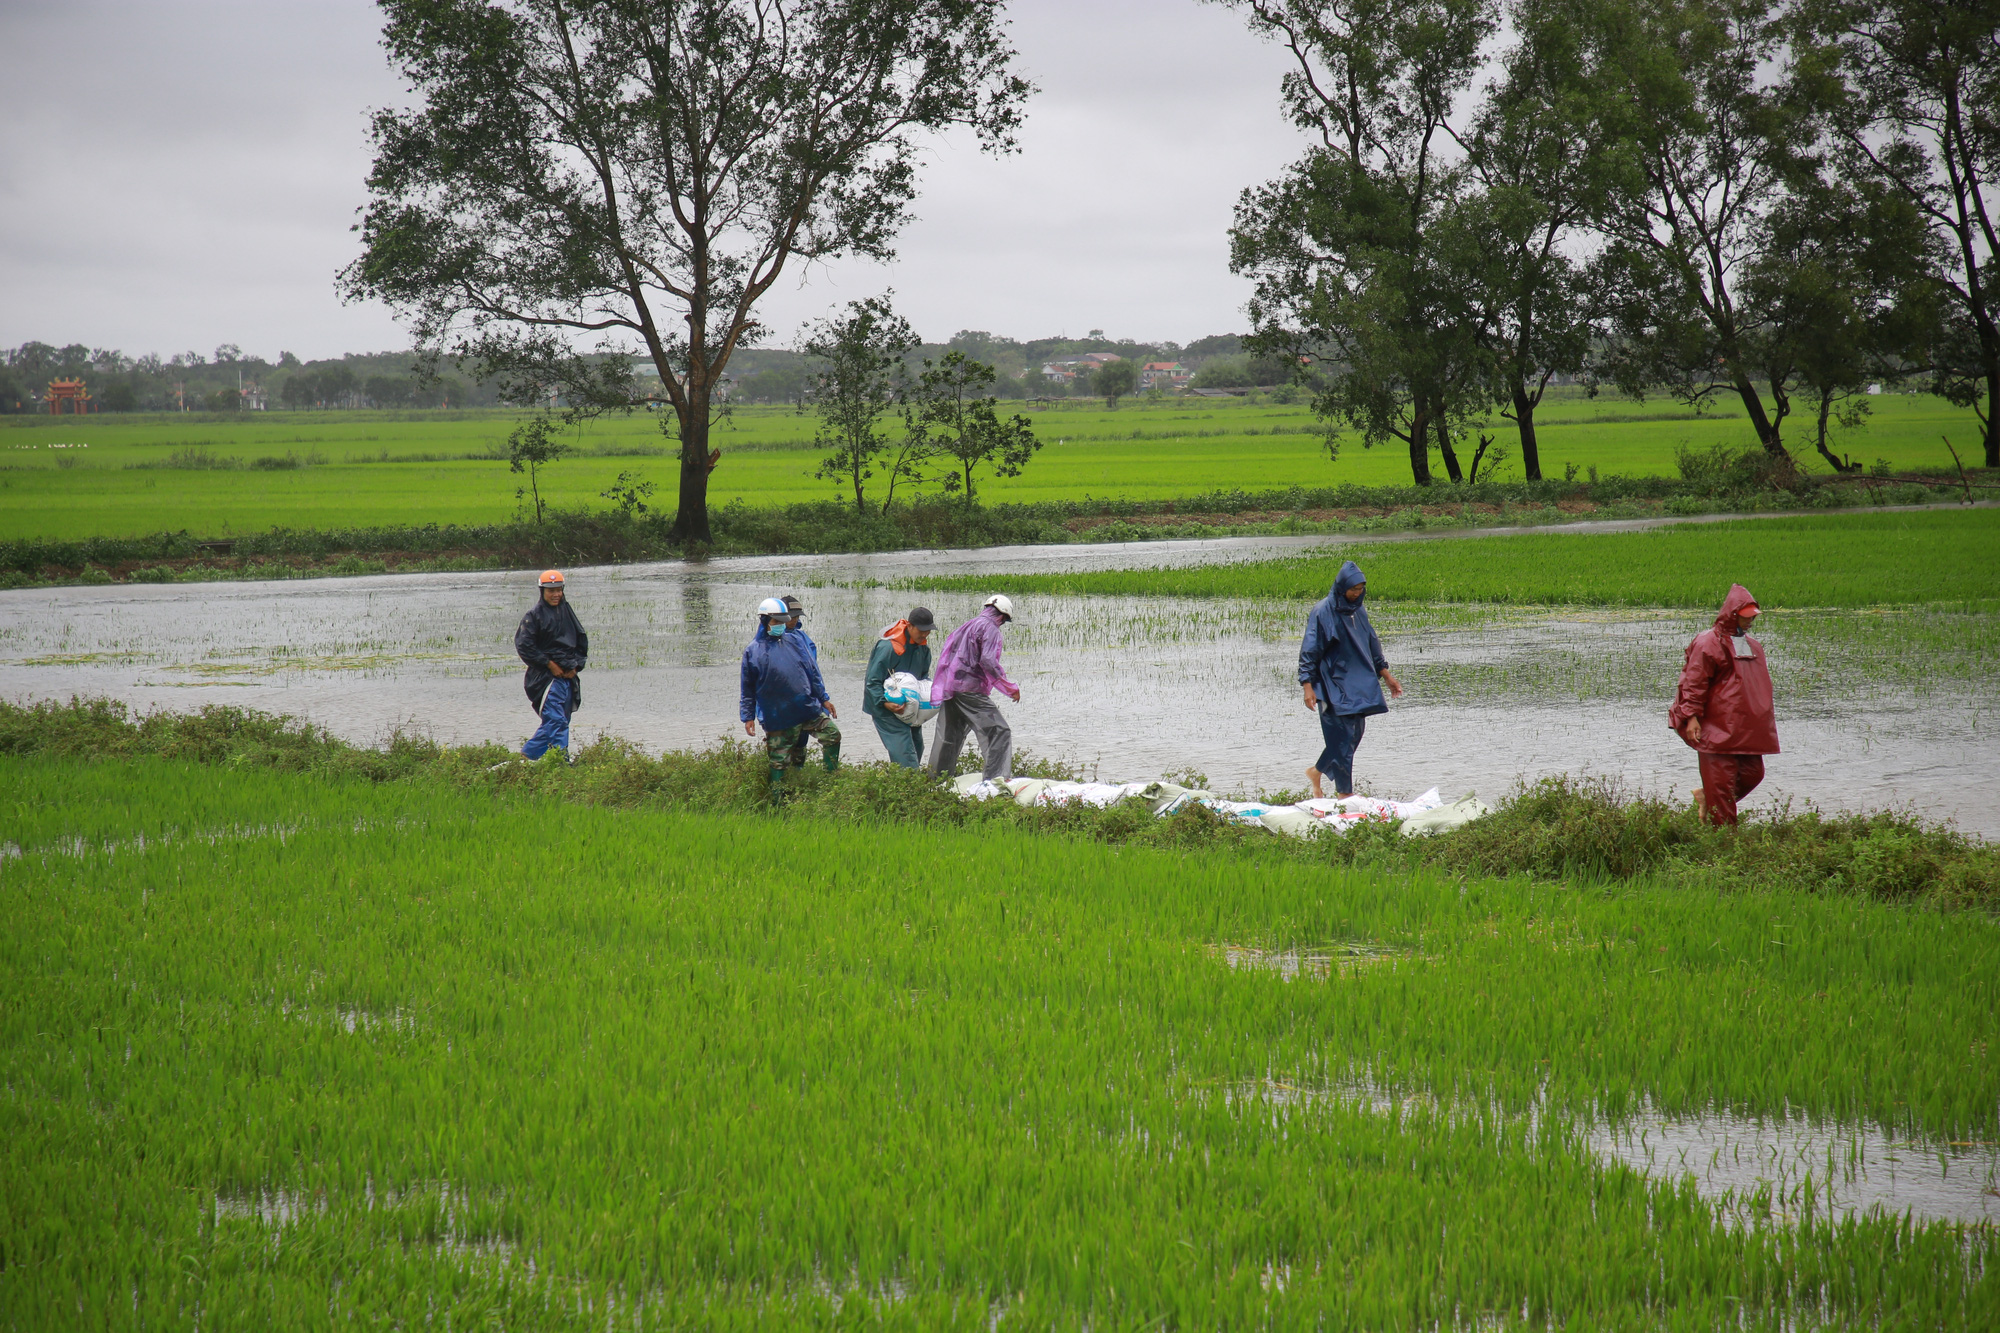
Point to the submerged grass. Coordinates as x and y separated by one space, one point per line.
1821 560
476 1053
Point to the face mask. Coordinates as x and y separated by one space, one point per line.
776 631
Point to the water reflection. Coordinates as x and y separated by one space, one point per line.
1789 1168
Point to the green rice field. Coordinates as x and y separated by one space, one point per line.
69 478
292 1050
1821 560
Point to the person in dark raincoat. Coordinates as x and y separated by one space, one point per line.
781 686
553 646
795 630
1723 707
795 623
904 646
1343 671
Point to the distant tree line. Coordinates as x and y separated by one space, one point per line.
229 381
1781 202
771 375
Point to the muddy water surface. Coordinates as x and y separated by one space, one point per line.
1869 715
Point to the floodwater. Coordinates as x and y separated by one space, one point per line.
1788 1167
1783 1168
1125 687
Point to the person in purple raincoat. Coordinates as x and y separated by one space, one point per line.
968 671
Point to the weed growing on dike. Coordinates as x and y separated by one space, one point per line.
1560 829
284 1045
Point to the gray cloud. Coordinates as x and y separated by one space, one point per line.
177 175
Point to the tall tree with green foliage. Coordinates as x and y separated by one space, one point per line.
1539 164
1909 93
950 417
861 377
1340 246
1841 283
1709 145
1113 380
644 171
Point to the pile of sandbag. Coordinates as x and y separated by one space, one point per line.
1308 819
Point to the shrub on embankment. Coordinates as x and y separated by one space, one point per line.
580 537
1557 829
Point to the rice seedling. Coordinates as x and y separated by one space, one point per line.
146 473
1824 560
477 1055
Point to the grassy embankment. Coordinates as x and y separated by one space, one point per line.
411 486
1821 560
298 1048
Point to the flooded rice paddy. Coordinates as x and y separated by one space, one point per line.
1875 710
1778 1168
1763 1170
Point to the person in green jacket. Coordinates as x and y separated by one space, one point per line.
904 646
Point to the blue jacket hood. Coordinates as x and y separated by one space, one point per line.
1349 576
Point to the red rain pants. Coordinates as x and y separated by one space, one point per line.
1725 780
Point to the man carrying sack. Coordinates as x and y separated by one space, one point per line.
968 671
904 646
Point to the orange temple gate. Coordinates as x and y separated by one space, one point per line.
68 395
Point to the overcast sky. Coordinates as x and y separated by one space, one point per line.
175 175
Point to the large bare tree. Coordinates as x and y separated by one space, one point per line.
586 181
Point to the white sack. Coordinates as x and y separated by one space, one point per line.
1445 817
903 688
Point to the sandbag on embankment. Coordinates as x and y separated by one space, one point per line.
1426 814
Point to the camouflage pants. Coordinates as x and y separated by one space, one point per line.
787 748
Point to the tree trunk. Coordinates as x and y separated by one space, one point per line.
1524 417
1420 456
1993 411
1826 411
1450 455
1760 420
691 519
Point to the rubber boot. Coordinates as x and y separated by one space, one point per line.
777 782
829 755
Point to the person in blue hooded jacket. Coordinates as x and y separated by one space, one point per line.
781 686
1343 671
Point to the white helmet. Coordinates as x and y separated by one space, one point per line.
772 606
1000 602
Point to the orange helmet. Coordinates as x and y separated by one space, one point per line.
552 578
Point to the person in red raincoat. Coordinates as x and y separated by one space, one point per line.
1723 707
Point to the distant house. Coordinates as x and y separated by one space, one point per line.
1165 374
1064 370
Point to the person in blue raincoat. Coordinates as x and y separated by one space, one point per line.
1343 671
781 687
